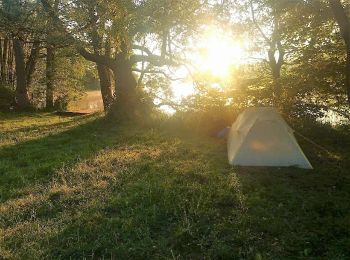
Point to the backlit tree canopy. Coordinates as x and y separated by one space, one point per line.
282 53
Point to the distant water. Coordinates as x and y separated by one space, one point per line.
91 102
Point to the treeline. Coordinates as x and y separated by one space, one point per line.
38 68
299 60
7 65
36 74
111 35
300 52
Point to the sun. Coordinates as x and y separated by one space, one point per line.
218 52
214 53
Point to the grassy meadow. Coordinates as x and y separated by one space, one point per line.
85 187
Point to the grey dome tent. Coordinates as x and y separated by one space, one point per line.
261 137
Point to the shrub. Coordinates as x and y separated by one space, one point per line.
7 97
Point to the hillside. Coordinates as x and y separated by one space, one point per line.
75 187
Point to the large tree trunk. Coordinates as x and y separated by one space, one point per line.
344 25
1 60
105 77
22 98
50 76
125 86
276 74
11 67
30 65
104 73
4 60
347 73
125 82
51 47
276 64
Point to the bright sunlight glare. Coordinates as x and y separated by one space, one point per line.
215 53
218 53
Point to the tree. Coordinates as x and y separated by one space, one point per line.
121 26
344 25
6 61
52 42
272 12
50 75
18 18
22 98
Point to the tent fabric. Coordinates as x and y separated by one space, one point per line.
261 137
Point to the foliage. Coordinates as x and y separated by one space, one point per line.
70 75
206 111
6 98
162 32
312 74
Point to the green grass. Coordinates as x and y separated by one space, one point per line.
84 187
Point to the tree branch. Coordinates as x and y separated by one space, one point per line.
342 19
142 48
257 24
165 102
156 72
102 59
155 60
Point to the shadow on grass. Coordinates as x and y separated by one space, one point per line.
43 127
303 213
156 195
31 163
217 213
151 195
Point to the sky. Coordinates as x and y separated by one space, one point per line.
215 53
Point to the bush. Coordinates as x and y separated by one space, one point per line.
61 103
207 122
7 96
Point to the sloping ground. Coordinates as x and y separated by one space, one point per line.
83 187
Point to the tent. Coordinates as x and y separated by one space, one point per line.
261 137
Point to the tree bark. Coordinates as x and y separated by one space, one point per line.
126 101
344 25
347 73
1 62
275 72
276 65
104 73
10 73
105 77
125 85
4 60
275 44
50 76
30 65
125 82
22 98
